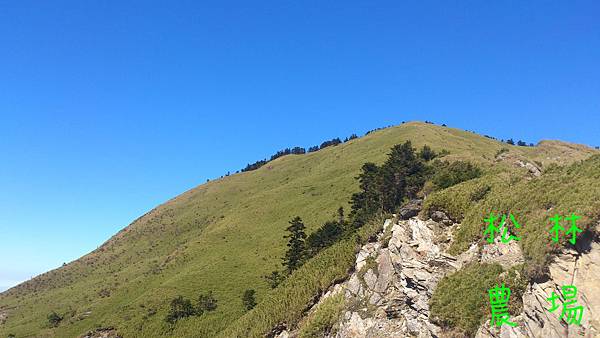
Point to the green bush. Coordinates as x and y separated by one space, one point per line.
449 174
206 303
54 319
457 200
180 308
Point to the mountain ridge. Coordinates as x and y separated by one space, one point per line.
210 237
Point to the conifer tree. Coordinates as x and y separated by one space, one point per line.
402 176
427 154
296 252
367 202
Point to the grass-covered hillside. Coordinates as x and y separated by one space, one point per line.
225 235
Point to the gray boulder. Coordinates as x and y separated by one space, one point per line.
410 209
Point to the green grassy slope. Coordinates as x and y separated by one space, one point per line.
223 236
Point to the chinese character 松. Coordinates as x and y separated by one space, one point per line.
491 228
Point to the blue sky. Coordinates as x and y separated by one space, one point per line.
109 108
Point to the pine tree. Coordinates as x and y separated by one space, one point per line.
402 175
325 236
427 153
367 201
296 252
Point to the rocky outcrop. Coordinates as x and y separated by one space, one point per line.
441 217
388 293
390 297
579 267
532 168
505 254
410 209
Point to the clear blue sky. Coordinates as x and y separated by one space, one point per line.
109 108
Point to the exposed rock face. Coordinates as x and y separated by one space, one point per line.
390 290
532 168
441 217
410 209
388 294
580 268
505 254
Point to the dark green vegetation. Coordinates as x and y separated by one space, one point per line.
297 151
449 174
460 301
296 253
382 190
226 235
182 307
54 319
206 303
249 299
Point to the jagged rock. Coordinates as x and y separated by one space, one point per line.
368 250
386 224
410 209
532 168
580 268
391 298
385 270
400 286
280 331
438 216
353 287
505 254
441 217
370 279
423 236
468 256
283 334
355 326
